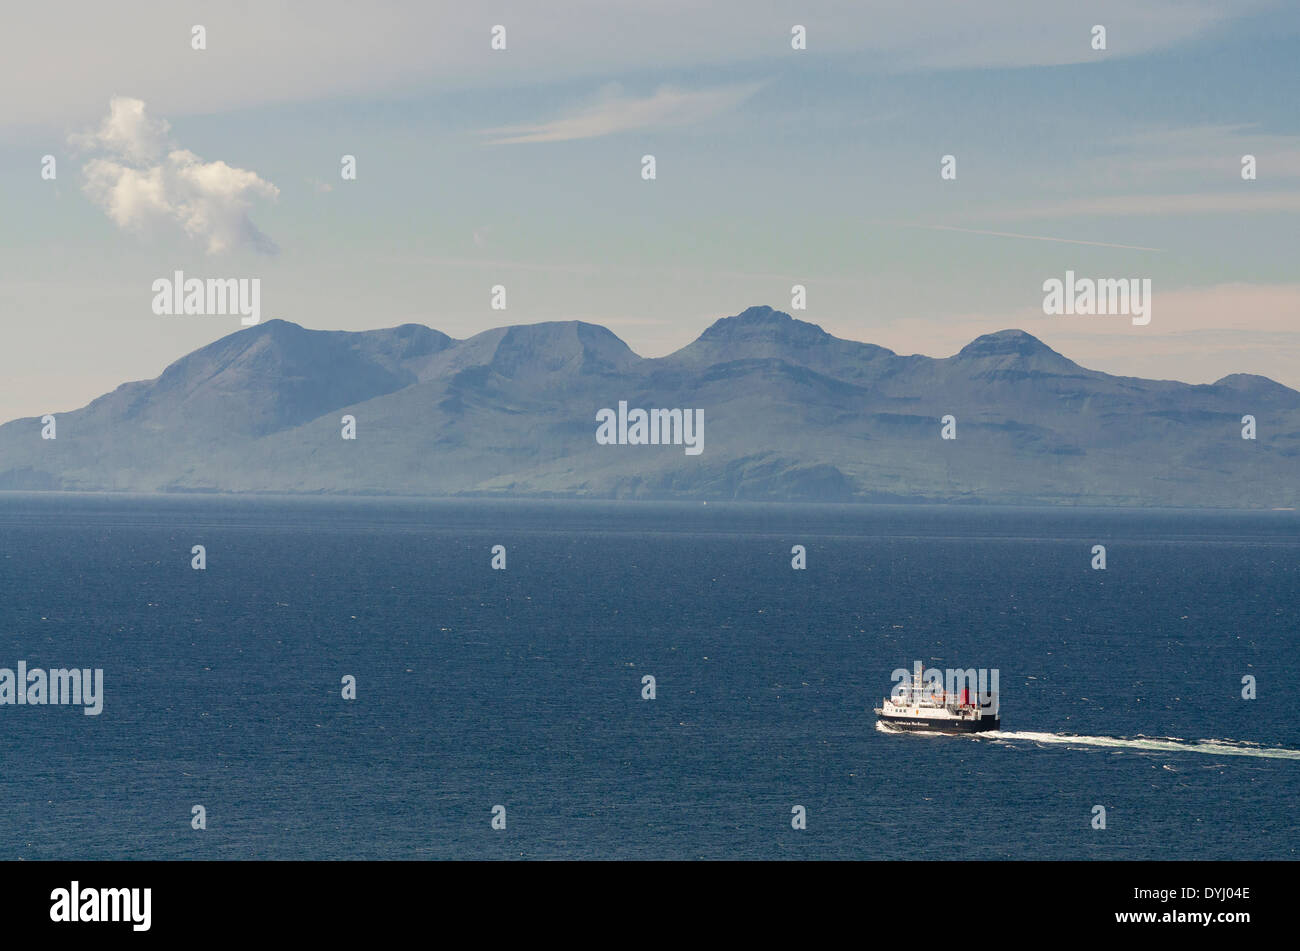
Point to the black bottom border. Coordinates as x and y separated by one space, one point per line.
951 901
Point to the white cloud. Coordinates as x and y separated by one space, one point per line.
145 184
126 131
613 112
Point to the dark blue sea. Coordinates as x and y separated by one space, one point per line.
478 687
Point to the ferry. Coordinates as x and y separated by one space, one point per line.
918 708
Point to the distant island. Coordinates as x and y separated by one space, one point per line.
787 413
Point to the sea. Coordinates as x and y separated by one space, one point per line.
503 713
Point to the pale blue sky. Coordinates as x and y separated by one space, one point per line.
775 167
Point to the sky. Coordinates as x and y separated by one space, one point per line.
775 166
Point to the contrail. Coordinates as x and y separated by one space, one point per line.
1034 237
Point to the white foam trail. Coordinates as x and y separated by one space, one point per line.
1151 744
898 731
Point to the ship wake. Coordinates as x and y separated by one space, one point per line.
1149 744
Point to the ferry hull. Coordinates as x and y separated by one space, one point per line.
936 725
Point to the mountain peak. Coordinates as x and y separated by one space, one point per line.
556 346
276 328
1010 342
762 312
763 321
1255 385
764 333
1013 348
1012 354
277 323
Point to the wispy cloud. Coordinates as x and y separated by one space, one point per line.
1246 199
143 182
284 52
1034 237
1193 157
613 111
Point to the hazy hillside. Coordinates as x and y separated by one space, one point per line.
790 413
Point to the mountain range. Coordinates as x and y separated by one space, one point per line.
791 413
